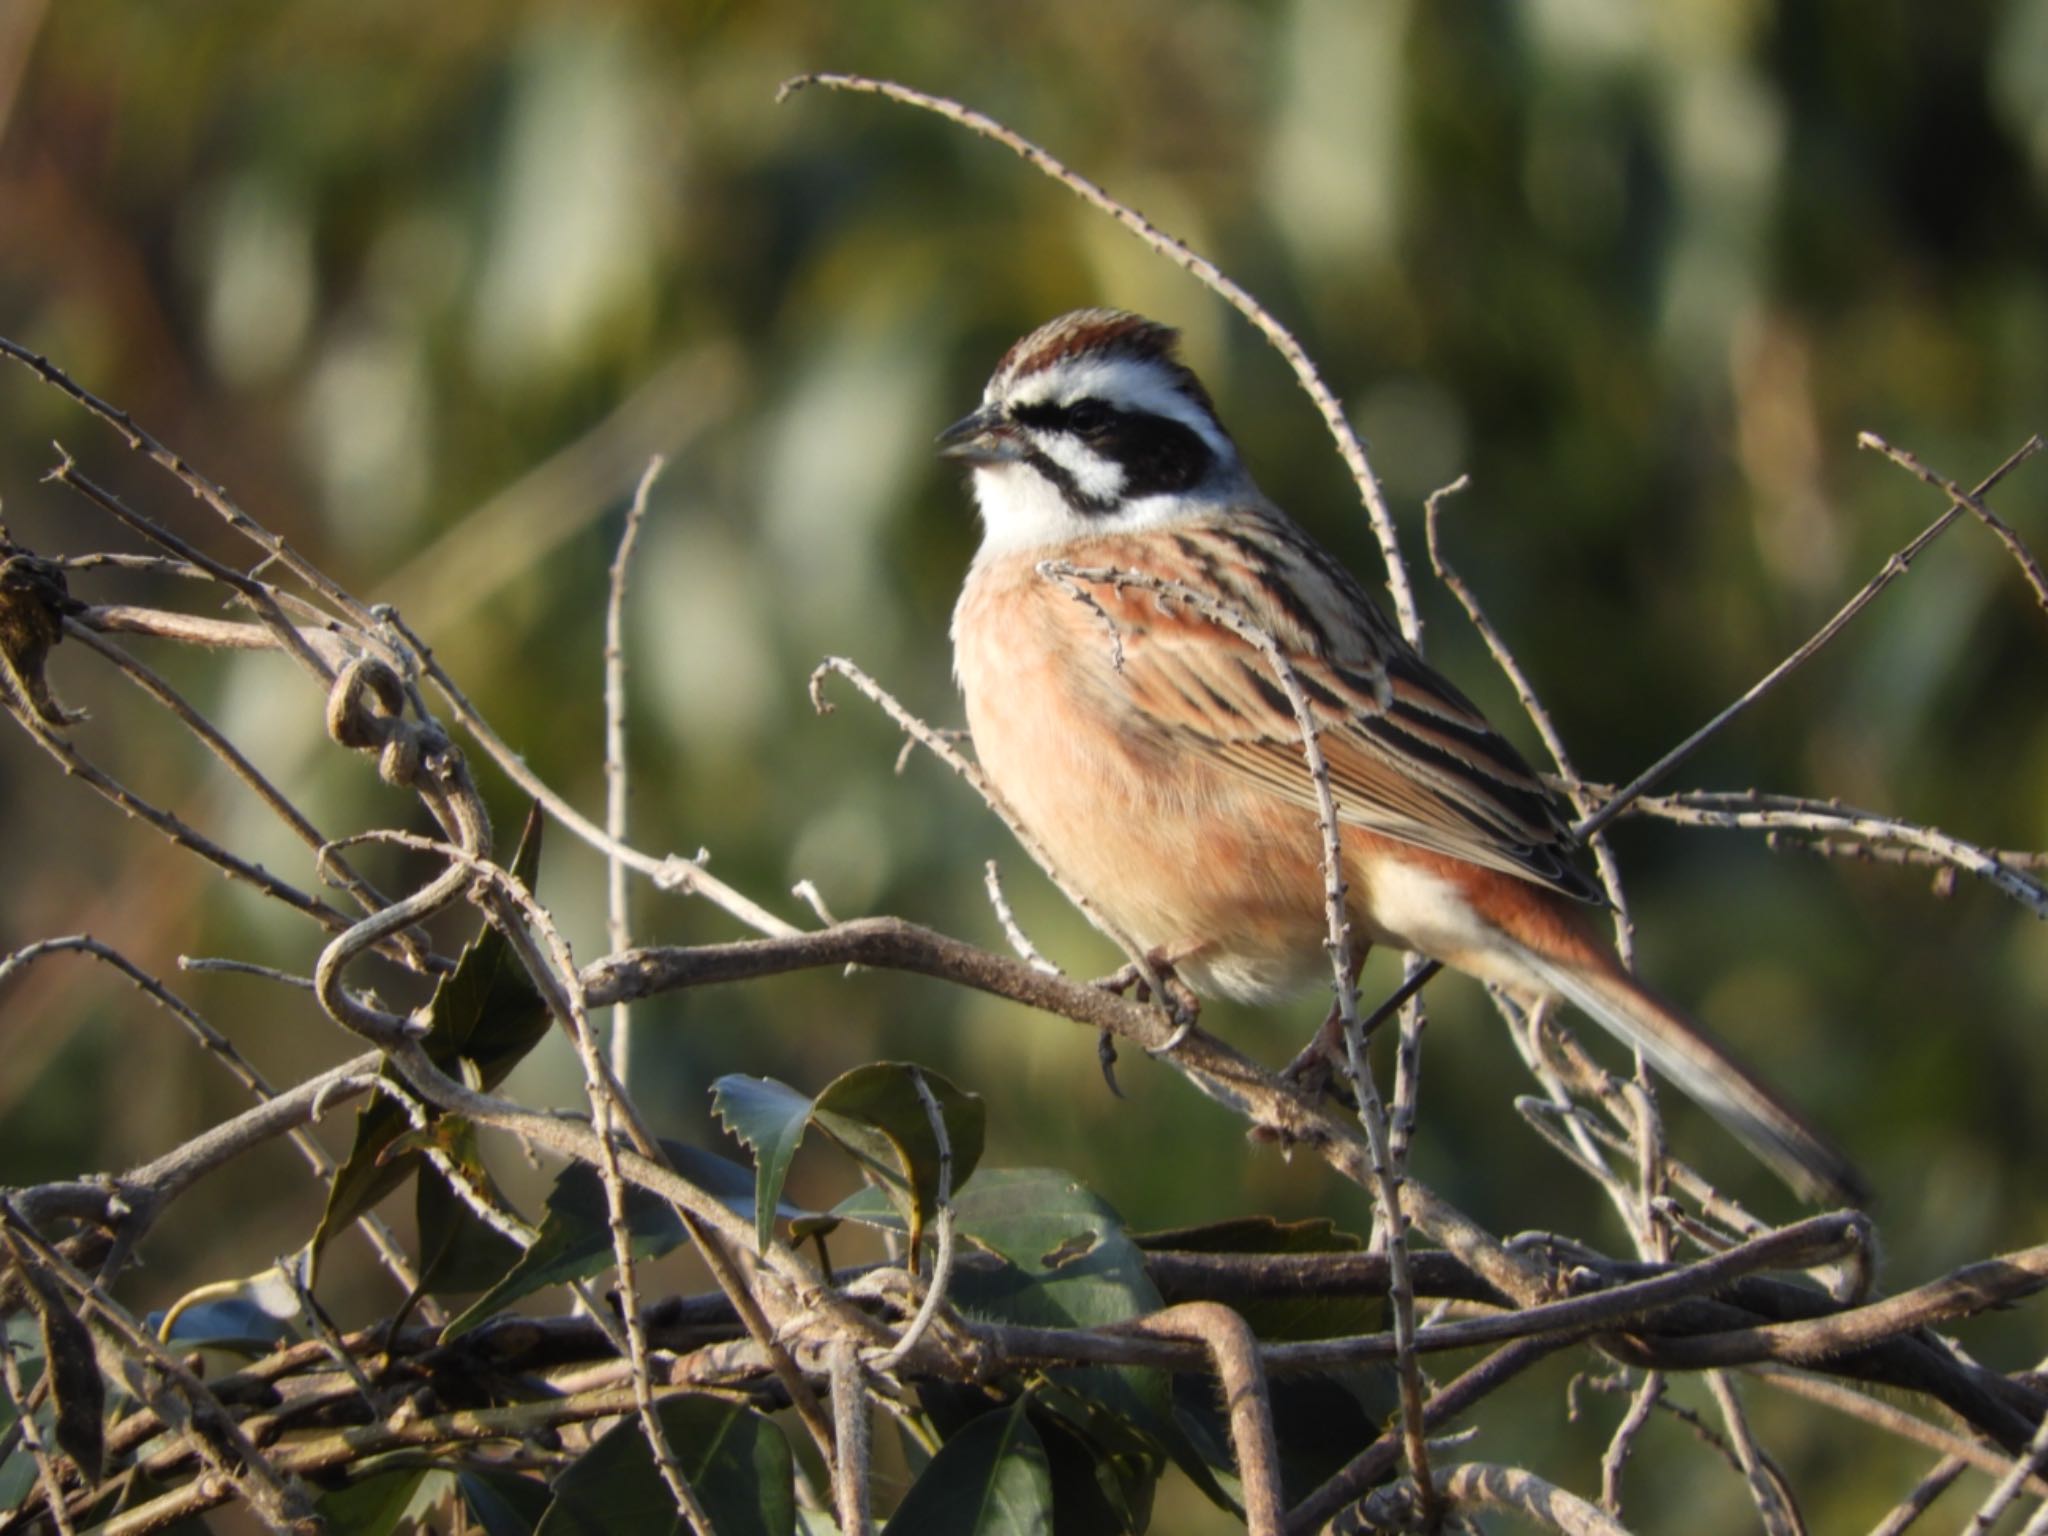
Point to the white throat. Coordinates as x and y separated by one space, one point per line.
1022 510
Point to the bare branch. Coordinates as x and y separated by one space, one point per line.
617 928
1234 1350
2015 546
1480 1485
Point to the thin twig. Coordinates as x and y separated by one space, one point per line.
943 1223
274 548
936 743
221 1049
1890 1418
1614 1461
366 895
618 930
1373 1463
177 830
257 594
1921 1496
2026 1467
712 1228
1020 941
671 873
1891 571
1766 1488
182 1397
2015 546
1754 810
1532 706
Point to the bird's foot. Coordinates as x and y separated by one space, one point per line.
1322 1067
1175 996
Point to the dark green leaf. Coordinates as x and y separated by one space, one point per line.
769 1118
990 1479
78 1395
374 1505
1095 1491
18 1475
575 1239
460 1252
1282 1318
877 1114
503 1503
736 1462
1067 1262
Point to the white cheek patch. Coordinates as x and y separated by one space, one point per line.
1095 477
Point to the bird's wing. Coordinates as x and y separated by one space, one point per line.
1408 755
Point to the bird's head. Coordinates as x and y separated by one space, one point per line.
1092 425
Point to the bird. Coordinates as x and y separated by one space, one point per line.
1152 751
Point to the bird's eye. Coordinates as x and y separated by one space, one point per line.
1089 417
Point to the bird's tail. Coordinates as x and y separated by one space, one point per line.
1705 1072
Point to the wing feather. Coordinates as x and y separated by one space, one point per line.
1408 755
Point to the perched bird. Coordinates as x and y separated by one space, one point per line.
1155 756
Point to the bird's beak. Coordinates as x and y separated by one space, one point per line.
983 438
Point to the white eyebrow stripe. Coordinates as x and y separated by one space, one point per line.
1130 384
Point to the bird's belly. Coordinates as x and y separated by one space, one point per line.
1172 853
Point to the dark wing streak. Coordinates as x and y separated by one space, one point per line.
1408 755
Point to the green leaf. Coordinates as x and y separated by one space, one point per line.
575 1240
485 1010
770 1119
735 1460
460 1252
374 1505
503 1503
1097 1491
18 1473
1284 1318
1067 1262
78 1396
990 1479
875 1113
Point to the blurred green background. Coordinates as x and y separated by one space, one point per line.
425 285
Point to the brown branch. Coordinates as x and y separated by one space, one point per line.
1963 1292
1234 1352
1480 1485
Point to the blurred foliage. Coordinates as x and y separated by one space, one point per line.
425 285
